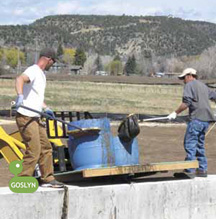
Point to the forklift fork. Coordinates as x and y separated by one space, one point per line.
12 148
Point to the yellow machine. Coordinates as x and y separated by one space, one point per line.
12 148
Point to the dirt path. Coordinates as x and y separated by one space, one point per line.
157 143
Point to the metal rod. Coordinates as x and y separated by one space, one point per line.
155 119
47 116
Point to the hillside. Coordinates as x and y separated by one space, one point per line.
108 35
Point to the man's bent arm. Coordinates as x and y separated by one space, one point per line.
20 80
181 108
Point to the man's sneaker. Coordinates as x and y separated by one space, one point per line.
184 175
200 173
53 184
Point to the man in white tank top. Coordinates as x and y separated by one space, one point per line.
30 87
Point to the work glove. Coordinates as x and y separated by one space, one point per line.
19 101
172 115
50 113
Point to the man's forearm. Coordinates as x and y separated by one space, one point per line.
19 85
181 108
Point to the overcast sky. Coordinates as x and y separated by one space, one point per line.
27 11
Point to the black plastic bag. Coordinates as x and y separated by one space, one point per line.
129 128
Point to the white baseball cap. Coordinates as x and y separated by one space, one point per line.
187 71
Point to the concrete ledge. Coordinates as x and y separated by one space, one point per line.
171 199
44 203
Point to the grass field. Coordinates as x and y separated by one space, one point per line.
110 97
103 97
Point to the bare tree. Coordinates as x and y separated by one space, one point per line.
205 63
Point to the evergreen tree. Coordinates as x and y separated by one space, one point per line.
131 66
80 57
60 50
127 68
98 64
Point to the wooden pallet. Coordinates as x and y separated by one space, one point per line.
125 170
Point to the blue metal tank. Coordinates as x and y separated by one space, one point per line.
94 151
126 153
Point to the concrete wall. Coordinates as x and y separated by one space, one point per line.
173 199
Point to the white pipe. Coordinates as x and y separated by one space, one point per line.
155 119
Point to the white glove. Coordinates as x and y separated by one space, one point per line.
50 113
172 115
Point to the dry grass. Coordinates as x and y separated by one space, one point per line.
103 97
7 93
110 97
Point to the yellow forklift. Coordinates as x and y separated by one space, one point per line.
12 146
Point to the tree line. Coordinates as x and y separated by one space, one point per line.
11 59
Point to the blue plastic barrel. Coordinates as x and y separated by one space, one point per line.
126 153
94 151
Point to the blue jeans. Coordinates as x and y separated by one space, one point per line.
194 143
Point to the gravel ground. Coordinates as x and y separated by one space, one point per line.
157 143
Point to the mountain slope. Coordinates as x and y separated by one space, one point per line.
114 34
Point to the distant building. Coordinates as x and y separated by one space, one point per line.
75 69
58 67
164 74
103 73
65 68
159 74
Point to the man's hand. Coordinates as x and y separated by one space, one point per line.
19 101
50 113
172 115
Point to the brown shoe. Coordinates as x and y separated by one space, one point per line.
200 173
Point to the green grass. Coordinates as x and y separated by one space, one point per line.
103 97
